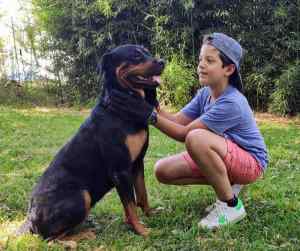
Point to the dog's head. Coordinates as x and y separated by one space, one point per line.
130 68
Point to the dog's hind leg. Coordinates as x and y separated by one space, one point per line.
53 218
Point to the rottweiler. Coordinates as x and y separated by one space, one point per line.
106 152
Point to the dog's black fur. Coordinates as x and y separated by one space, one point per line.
97 158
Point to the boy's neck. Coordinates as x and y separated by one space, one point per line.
217 90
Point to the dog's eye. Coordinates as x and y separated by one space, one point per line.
146 51
138 56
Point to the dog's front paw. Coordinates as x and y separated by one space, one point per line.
140 229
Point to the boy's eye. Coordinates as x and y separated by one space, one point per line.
210 60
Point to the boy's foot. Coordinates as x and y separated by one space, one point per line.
222 215
236 188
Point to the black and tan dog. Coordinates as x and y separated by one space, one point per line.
106 152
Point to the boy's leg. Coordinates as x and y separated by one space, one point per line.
236 189
208 151
205 164
175 170
209 148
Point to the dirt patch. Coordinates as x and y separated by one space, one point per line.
267 117
63 110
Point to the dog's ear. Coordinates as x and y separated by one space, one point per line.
103 68
105 63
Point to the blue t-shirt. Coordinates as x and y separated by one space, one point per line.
231 117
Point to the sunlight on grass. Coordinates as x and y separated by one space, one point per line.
7 230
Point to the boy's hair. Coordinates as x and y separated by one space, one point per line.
225 60
234 77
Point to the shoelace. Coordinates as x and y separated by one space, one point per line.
214 205
217 211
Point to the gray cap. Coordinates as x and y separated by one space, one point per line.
231 49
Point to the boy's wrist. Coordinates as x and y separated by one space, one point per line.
152 120
157 108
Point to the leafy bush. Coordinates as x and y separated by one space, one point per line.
75 34
178 81
258 87
286 97
28 93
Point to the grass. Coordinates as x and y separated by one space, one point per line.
30 137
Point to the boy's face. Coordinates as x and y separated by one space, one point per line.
210 68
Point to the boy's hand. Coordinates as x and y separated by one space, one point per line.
130 107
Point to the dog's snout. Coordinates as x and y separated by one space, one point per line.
161 62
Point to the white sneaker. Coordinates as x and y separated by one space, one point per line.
222 215
236 188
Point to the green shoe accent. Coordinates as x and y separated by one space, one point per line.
239 205
222 219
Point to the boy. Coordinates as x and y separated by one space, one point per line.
223 143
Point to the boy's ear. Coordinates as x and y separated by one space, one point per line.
229 69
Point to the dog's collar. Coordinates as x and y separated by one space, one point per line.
105 100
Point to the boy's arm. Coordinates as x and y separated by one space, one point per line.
175 130
179 117
143 112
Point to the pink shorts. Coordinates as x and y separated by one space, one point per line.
242 167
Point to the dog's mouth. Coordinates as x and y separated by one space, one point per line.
145 82
142 76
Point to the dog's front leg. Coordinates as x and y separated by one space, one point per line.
124 185
140 187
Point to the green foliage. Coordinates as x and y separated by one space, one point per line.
28 94
2 60
79 33
105 7
178 81
258 87
286 97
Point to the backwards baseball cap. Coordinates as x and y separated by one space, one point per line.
231 49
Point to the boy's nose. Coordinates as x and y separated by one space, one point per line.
199 68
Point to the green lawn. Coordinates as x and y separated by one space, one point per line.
29 138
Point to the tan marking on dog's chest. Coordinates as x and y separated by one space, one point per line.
135 143
87 201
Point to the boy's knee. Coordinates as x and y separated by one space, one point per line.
160 171
197 140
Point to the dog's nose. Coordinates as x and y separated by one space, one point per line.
161 62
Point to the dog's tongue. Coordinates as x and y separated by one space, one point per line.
156 79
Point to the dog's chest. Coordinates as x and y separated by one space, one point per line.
135 143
